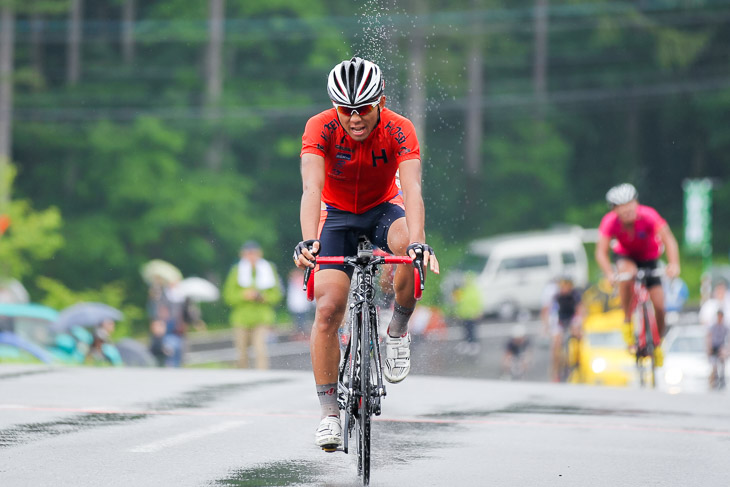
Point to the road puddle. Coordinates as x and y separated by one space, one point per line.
196 398
285 473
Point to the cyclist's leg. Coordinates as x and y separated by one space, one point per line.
576 329
331 288
389 232
625 265
392 232
656 294
556 348
330 292
403 281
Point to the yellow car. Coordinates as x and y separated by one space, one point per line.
604 358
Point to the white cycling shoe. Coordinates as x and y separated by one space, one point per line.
329 434
397 358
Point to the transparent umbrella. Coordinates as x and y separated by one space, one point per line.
157 270
197 289
13 292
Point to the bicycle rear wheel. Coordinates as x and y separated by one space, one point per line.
365 401
564 370
565 365
575 375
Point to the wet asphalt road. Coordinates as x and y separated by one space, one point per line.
160 427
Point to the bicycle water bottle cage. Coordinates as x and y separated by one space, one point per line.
364 249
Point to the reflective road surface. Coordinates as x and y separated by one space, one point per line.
192 427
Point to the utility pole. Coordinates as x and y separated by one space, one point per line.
540 59
128 15
73 53
7 47
214 81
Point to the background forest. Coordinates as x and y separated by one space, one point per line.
140 129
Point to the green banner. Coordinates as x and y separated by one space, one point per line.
698 215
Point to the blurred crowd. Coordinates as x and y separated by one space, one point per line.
257 301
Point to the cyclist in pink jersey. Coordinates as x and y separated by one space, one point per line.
641 235
350 156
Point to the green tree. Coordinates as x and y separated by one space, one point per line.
33 236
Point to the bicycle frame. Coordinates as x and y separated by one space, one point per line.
646 323
569 358
360 384
717 373
642 305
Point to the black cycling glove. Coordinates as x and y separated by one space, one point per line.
306 244
419 249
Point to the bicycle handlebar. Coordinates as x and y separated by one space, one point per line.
419 273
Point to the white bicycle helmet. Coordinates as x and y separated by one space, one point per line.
621 194
355 82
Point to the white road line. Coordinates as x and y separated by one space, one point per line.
185 437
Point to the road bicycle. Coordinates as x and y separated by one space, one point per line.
717 375
360 384
645 329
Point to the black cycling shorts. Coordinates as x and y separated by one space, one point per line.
341 230
651 281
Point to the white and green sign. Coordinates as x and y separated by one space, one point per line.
698 215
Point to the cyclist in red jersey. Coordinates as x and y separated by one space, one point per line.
641 235
350 156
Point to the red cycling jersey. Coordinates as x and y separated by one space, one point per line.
360 175
641 240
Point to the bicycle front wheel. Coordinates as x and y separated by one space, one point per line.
651 365
365 406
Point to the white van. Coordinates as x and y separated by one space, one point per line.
513 270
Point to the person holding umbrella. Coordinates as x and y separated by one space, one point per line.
101 319
252 290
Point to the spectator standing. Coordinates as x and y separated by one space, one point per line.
720 301
167 337
252 290
717 338
468 310
516 358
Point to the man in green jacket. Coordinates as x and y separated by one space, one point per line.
252 290
468 310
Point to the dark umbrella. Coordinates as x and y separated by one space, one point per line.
86 314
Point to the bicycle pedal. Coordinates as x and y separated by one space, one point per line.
329 448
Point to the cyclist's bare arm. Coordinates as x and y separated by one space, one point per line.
410 180
672 249
309 211
602 259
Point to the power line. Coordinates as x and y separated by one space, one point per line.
504 101
566 16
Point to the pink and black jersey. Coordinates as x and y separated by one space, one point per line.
639 241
